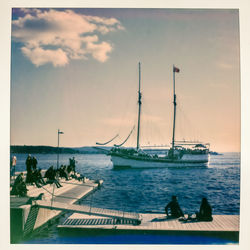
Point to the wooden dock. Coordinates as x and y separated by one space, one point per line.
89 210
26 218
223 226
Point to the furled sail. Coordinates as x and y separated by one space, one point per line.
98 143
125 139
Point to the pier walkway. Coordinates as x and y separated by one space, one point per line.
25 217
222 226
115 214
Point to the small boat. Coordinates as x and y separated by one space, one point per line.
181 153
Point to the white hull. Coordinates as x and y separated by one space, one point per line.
188 160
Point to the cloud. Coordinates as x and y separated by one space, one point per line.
39 56
52 36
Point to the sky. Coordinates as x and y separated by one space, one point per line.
77 70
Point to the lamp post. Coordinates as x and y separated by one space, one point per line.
58 133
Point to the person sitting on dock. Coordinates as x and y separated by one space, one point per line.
175 210
37 178
205 213
63 172
19 187
51 174
69 169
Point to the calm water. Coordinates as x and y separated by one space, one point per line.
150 189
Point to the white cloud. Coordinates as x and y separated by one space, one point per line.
39 56
99 51
52 36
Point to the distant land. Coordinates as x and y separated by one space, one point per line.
15 149
18 149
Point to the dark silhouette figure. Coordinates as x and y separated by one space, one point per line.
37 178
19 187
63 172
50 174
29 169
205 213
69 169
34 163
72 164
174 207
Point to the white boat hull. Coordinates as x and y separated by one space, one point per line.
188 160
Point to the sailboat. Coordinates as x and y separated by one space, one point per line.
181 153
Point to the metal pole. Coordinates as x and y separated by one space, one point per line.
58 132
139 109
173 138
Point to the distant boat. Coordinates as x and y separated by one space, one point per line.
214 153
181 153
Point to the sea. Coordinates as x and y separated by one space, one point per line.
146 190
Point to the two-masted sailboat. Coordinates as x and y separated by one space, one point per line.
181 153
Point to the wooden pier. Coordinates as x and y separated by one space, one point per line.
222 226
27 217
89 210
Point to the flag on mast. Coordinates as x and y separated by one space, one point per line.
175 69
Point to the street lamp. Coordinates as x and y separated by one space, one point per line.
58 133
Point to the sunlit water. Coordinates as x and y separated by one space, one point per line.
146 190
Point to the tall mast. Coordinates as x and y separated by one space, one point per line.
139 109
174 102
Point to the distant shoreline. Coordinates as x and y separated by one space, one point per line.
30 149
17 149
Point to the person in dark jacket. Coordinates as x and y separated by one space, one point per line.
63 172
29 169
34 163
37 178
19 187
51 175
174 207
205 213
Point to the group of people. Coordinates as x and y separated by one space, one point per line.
34 175
173 210
52 176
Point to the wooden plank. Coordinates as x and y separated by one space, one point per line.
149 223
85 209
